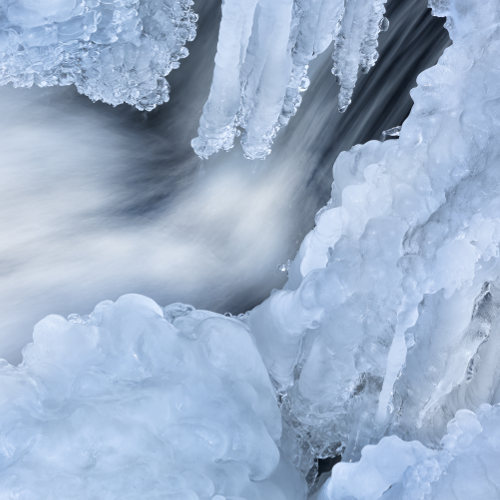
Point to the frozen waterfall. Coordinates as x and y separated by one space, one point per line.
382 349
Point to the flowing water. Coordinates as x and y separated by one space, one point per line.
97 201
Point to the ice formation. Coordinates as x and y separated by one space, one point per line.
388 324
356 43
466 466
119 51
139 402
383 346
265 47
114 51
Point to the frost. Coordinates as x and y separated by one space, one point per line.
112 50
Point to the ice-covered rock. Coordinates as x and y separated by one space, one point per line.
465 467
139 402
114 51
377 329
264 51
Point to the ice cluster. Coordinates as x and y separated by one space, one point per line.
114 51
383 346
264 49
389 321
138 402
465 467
119 51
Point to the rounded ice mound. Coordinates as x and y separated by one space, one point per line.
139 402
116 51
465 467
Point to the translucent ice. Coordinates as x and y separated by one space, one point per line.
138 402
377 329
356 43
121 50
465 467
263 54
112 50
383 346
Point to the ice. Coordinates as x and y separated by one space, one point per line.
392 132
356 43
253 68
119 51
465 467
263 55
138 402
384 345
116 51
376 331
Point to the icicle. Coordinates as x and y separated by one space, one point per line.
218 122
356 43
263 55
264 50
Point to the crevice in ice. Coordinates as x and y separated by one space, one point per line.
320 471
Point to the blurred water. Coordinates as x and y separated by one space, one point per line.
97 201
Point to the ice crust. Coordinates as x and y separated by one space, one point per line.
138 402
263 54
116 51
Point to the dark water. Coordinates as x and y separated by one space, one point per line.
97 201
